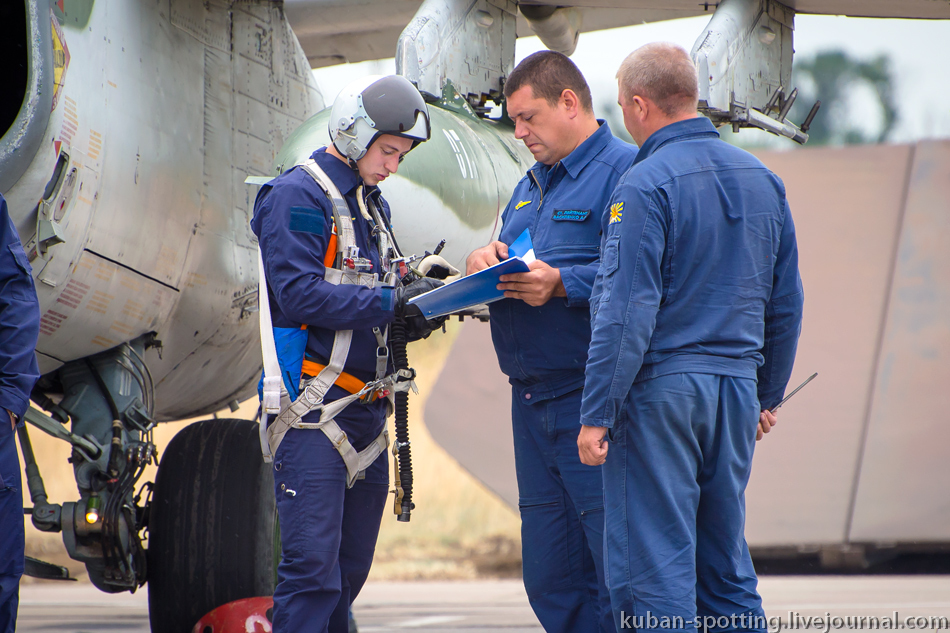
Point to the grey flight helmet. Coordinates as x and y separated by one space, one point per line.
373 106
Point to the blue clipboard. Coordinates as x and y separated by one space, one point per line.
478 288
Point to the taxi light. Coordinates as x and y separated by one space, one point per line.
93 504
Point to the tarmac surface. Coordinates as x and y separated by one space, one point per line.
487 605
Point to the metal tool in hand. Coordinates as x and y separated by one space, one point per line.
797 389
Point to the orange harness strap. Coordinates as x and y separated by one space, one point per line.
347 382
330 257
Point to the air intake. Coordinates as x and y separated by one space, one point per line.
26 72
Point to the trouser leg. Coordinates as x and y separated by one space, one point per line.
363 508
585 488
316 511
726 580
9 601
674 502
11 527
651 494
559 572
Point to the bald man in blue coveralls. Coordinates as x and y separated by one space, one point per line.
697 309
19 329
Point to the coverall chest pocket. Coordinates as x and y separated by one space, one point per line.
571 238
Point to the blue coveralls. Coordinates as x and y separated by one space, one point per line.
19 329
543 351
328 532
698 297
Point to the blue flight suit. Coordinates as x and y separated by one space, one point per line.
19 329
328 532
697 309
543 351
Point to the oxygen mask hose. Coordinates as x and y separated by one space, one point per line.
404 505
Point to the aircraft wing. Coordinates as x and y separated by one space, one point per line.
338 31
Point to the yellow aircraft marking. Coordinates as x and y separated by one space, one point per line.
103 342
165 264
195 279
99 302
60 59
131 283
134 310
121 328
95 144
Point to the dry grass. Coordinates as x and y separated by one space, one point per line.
458 530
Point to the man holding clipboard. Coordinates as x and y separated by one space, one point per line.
541 332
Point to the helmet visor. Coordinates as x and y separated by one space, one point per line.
396 107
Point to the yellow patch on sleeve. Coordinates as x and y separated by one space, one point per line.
522 203
616 212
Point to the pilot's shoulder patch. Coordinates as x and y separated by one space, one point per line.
522 204
307 220
570 215
616 212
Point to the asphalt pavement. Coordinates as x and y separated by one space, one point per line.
501 605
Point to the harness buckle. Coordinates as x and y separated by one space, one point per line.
382 361
271 400
359 264
404 380
373 396
342 440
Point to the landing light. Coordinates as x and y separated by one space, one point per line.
92 508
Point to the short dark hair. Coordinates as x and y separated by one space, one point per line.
549 74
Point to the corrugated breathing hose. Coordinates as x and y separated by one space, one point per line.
403 466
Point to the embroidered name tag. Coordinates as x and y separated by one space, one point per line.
570 215
306 220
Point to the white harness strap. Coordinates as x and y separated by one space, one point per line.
276 399
273 384
346 238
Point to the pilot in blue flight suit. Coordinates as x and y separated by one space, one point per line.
542 330
697 309
329 512
19 329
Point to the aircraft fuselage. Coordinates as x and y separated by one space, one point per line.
162 111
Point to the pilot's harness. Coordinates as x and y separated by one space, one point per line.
346 269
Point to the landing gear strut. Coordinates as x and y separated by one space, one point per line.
108 401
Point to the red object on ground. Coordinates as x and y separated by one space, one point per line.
241 616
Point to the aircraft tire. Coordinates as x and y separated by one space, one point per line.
211 524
